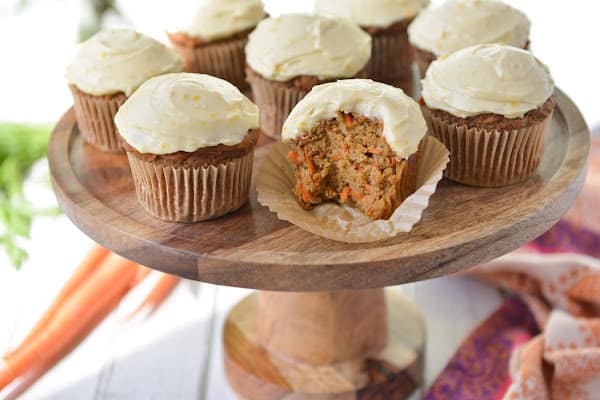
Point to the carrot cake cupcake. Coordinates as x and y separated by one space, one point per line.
190 141
443 29
290 54
491 105
211 38
105 71
355 142
386 21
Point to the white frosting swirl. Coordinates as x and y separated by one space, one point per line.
185 112
119 60
217 19
371 13
403 123
487 78
296 44
457 24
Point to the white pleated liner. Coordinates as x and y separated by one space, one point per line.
95 119
225 60
275 103
490 158
186 194
275 182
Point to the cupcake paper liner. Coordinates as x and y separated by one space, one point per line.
275 182
95 119
191 194
275 102
225 60
490 158
391 58
423 59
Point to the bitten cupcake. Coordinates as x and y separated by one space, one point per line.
386 21
355 142
105 71
211 40
443 29
290 54
491 105
190 141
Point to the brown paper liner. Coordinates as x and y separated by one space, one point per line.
423 60
225 60
187 194
95 119
275 182
275 103
490 158
391 57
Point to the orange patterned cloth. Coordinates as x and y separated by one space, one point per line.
557 281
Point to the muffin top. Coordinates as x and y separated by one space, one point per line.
403 123
119 60
371 13
489 78
292 45
216 19
457 24
185 112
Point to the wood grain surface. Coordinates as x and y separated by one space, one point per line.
391 371
252 248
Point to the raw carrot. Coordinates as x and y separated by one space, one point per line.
77 316
163 288
141 274
87 267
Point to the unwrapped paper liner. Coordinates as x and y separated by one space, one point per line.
275 181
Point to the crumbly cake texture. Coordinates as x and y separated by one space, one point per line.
95 118
347 160
224 58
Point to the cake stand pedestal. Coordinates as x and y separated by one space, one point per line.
320 326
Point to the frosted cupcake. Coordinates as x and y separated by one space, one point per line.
290 54
211 39
355 142
491 105
386 21
443 29
105 71
190 141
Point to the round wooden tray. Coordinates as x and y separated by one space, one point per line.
251 248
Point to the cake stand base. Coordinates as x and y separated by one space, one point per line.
363 344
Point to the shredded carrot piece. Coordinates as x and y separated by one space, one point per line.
306 196
348 121
374 150
369 188
337 157
344 194
309 161
293 157
356 195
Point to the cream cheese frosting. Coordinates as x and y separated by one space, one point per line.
291 45
403 123
488 78
457 24
371 13
217 19
185 112
119 60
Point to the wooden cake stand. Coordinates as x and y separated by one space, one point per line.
320 327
